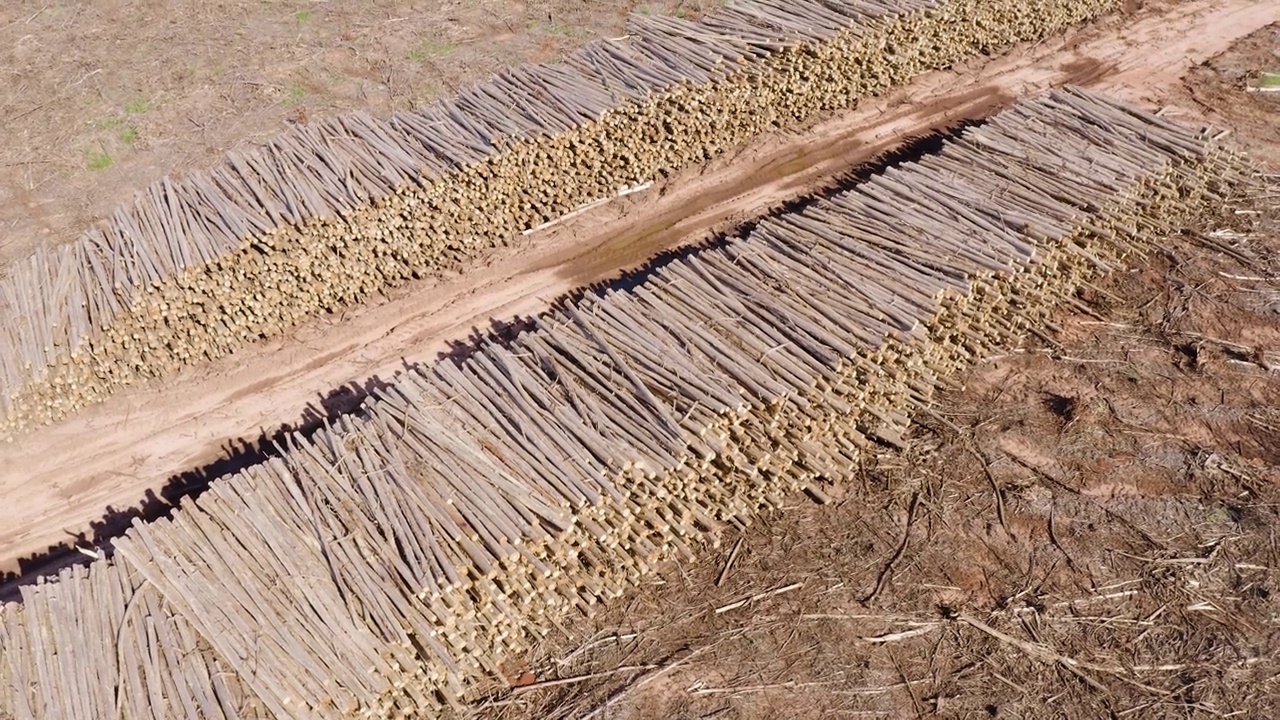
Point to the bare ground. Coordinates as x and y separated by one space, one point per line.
121 457
1085 527
101 98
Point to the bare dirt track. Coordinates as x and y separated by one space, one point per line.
58 480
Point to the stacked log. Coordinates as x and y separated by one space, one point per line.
380 566
103 643
331 213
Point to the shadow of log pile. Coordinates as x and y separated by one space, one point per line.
329 214
233 456
384 564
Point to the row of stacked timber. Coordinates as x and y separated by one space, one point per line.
381 566
330 213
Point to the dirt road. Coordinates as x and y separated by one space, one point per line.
59 479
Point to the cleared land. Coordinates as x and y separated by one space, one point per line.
1085 526
421 541
113 454
1082 529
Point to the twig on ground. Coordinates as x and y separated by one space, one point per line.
643 679
1020 689
1053 538
991 480
1037 651
616 637
883 579
901 634
759 596
542 684
845 616
757 688
880 690
915 700
1063 484
1250 278
1216 244
733 555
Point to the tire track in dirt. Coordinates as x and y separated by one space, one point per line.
58 479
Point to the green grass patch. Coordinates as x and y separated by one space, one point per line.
551 27
1269 80
137 107
100 161
303 16
128 136
431 49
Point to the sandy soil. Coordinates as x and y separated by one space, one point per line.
137 443
1084 527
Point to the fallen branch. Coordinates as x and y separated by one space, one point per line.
753 598
543 684
897 555
733 555
1042 653
641 680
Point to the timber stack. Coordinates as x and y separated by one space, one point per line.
381 566
331 213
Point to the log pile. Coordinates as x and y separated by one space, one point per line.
331 213
380 566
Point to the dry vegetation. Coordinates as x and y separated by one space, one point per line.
1085 527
